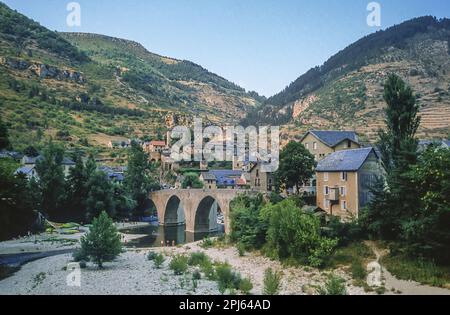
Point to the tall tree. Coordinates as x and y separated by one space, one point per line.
51 179
99 196
77 190
397 143
102 243
16 208
398 146
140 177
5 144
296 166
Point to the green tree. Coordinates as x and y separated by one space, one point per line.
31 151
246 225
99 196
296 166
51 179
102 243
293 233
140 177
191 180
5 144
16 208
77 190
398 147
428 230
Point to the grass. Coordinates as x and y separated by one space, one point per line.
355 256
272 282
334 286
419 270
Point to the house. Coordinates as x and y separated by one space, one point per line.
113 174
209 180
424 144
226 178
259 180
28 171
29 165
345 179
157 146
321 143
11 154
119 144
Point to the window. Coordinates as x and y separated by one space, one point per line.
315 146
343 191
344 176
344 205
349 144
307 146
325 177
326 190
326 203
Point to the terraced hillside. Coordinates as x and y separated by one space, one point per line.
347 91
85 90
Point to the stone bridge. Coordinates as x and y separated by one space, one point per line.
197 208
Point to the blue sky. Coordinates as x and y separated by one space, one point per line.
261 45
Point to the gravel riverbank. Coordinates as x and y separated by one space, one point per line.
133 274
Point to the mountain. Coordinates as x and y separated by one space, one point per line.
346 92
86 89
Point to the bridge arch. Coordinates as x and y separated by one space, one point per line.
174 212
206 214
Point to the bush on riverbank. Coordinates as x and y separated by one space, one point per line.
102 243
295 234
272 282
179 264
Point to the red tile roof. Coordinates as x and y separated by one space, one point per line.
158 143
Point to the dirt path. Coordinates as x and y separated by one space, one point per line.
381 275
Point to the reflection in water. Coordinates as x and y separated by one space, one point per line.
153 235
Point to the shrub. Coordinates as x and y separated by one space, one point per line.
159 260
293 233
151 256
208 269
227 278
83 264
246 226
246 286
272 281
207 243
241 249
334 286
198 259
102 242
196 275
79 255
179 264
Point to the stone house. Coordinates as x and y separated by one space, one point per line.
321 143
345 179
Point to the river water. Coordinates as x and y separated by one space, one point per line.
155 236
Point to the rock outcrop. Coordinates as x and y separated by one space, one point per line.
42 70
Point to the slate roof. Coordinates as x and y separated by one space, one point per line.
226 177
344 161
208 176
26 170
447 143
333 138
32 160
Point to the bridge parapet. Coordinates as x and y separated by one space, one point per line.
196 204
